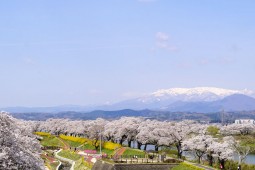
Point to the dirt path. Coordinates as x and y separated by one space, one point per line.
118 153
51 159
66 145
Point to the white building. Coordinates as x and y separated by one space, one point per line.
245 121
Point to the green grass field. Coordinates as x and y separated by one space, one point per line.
51 141
88 146
107 151
185 166
70 155
72 143
131 152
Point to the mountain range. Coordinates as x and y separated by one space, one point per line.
199 99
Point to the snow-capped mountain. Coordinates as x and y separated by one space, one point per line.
204 94
198 93
163 98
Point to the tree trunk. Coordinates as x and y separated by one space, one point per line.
199 155
129 143
156 148
178 147
145 147
210 159
139 145
222 163
108 138
199 159
121 141
94 143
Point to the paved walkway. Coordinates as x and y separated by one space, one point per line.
65 159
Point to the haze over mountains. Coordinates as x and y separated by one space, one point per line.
200 99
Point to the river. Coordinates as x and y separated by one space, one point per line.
250 159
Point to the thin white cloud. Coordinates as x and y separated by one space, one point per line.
162 42
162 36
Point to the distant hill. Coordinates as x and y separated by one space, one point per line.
84 115
160 115
235 102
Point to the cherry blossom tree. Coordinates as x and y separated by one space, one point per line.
95 131
19 148
199 144
153 132
180 131
222 150
143 135
110 131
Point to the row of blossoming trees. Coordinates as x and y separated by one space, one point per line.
185 135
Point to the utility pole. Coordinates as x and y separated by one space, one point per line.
222 117
100 143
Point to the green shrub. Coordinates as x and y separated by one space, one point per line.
111 145
212 130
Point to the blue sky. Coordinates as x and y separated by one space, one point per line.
93 52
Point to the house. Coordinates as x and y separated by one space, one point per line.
245 121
